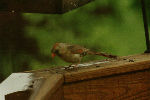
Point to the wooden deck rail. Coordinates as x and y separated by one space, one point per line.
127 78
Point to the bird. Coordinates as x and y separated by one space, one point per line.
72 53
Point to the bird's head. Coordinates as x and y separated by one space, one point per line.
55 50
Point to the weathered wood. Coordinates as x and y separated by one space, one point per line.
129 86
20 95
57 95
121 65
41 6
125 78
16 86
38 86
49 87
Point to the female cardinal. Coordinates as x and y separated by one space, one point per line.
74 53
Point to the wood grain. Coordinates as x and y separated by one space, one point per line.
126 78
121 65
57 95
130 86
50 86
43 86
20 95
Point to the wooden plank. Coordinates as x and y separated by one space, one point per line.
49 87
16 86
121 65
40 6
129 86
57 95
126 78
20 95
40 85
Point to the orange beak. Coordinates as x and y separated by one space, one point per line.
53 55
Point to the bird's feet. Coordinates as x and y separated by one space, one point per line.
71 67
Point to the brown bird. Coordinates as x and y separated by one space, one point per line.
74 53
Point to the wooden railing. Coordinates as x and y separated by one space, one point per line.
127 78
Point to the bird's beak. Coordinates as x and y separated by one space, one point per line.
53 55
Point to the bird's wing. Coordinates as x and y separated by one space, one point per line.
76 49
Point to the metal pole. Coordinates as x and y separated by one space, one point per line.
145 26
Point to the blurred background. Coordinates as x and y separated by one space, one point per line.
112 26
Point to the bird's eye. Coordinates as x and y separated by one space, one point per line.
84 53
56 52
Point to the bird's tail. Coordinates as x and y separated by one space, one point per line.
102 54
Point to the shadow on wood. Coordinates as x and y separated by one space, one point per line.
126 78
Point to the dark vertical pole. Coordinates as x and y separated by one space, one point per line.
145 27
